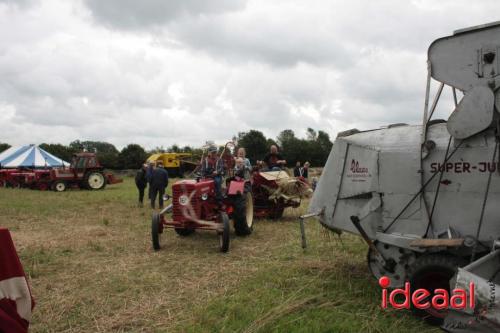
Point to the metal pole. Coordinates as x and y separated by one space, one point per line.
426 104
436 100
303 233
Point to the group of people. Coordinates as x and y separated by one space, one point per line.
157 177
301 171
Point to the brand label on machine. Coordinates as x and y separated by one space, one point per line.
358 172
465 167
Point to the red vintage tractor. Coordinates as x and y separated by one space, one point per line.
194 206
84 172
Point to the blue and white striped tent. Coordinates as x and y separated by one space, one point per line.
29 156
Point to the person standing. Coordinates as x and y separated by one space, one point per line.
296 170
141 182
305 171
159 182
149 177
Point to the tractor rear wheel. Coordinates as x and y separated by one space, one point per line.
243 214
156 231
59 186
224 233
431 272
94 180
184 231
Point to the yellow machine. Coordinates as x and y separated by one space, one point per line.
175 163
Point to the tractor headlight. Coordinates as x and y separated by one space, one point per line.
183 200
204 196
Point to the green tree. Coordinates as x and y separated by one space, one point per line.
4 146
59 150
255 144
132 157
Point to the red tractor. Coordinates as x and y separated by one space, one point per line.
194 206
84 172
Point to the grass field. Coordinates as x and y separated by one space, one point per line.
91 268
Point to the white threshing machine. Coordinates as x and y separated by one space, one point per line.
426 198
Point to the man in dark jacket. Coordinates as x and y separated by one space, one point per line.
141 182
159 182
274 160
296 170
149 174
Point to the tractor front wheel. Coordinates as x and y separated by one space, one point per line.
94 180
224 233
243 214
59 186
156 231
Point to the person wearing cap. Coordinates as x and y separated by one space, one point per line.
213 167
159 182
141 182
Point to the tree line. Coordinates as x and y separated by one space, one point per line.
314 148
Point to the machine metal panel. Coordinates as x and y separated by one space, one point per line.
328 188
461 60
360 172
399 172
346 208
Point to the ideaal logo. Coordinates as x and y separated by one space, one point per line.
423 299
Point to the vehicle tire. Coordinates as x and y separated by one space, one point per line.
59 186
94 180
184 231
156 231
433 271
224 234
243 214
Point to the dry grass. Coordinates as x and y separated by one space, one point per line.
91 267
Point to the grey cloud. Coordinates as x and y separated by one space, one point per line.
132 14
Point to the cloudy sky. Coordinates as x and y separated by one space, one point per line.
158 72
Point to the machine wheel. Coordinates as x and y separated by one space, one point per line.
243 214
94 180
59 186
184 231
156 231
224 234
404 258
431 272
